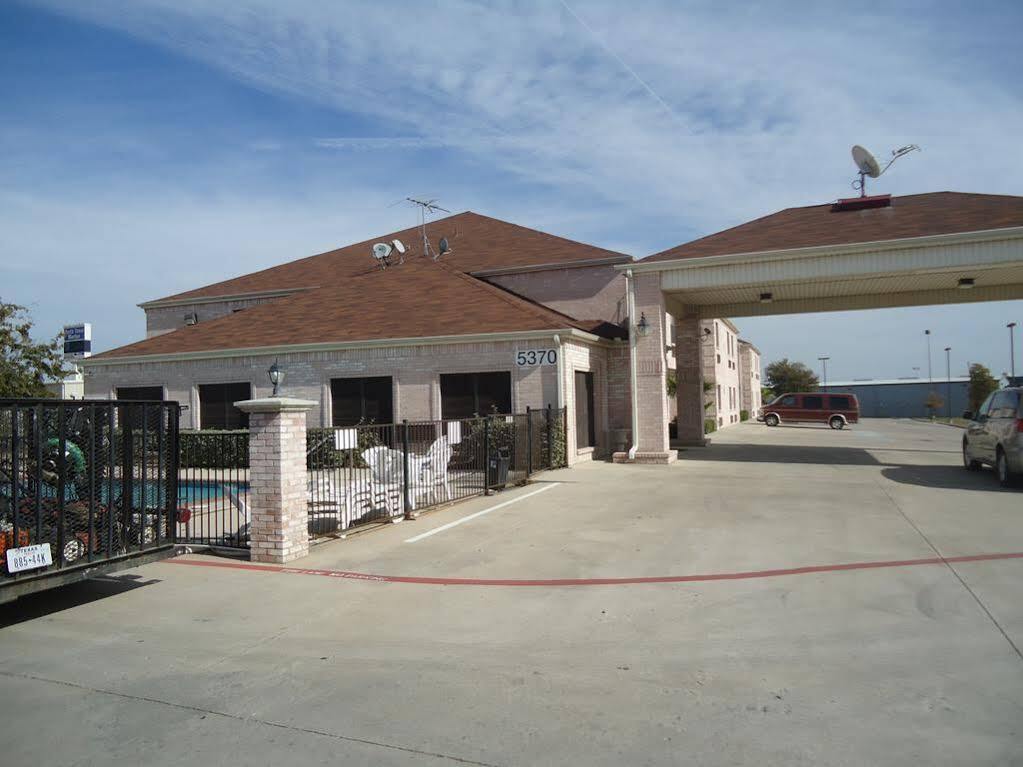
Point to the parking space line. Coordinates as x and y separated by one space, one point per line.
457 522
555 582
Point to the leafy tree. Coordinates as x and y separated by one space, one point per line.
934 402
25 365
784 376
982 383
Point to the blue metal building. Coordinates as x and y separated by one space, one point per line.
905 397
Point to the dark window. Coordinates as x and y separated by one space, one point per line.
789 401
813 403
361 400
140 393
839 403
1004 404
465 395
986 404
584 431
216 405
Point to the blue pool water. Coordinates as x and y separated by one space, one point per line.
189 492
198 492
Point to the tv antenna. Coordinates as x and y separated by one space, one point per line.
869 166
429 207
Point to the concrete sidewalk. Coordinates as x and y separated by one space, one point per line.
893 666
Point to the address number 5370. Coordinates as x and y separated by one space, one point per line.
530 357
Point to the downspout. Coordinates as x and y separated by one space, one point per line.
630 288
561 382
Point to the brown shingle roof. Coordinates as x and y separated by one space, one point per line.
915 215
419 298
478 243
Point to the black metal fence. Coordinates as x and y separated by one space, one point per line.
214 488
372 472
86 481
368 472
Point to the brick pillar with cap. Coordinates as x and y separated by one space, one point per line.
278 515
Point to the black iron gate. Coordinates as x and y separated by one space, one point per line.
84 483
213 488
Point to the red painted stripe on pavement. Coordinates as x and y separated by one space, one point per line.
747 575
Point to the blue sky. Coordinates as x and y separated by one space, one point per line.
153 146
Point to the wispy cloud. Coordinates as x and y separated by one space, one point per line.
634 125
375 143
765 103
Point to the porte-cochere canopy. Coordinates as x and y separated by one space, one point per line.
863 253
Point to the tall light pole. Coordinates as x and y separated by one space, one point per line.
948 376
1012 352
824 364
930 378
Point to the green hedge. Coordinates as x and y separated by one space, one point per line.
214 449
743 415
320 452
710 426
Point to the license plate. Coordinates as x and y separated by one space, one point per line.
29 557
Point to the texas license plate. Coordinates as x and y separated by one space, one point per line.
29 557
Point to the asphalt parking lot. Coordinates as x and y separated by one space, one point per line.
789 596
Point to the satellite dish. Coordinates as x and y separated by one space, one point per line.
399 246
866 162
381 252
445 247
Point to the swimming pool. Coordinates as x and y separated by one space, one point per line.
190 492
193 492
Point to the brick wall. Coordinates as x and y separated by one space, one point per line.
721 367
414 370
651 388
749 379
577 356
277 496
587 293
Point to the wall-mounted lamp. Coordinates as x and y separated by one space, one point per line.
766 298
965 283
276 376
642 327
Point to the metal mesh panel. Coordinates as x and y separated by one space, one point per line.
92 479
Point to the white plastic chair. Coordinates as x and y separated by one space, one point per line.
432 472
385 466
326 500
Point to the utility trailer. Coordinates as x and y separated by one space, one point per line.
87 487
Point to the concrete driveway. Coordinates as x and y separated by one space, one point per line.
790 596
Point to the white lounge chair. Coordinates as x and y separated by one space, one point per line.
385 466
326 500
432 470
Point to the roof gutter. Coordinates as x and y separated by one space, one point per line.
281 349
903 243
630 289
581 264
